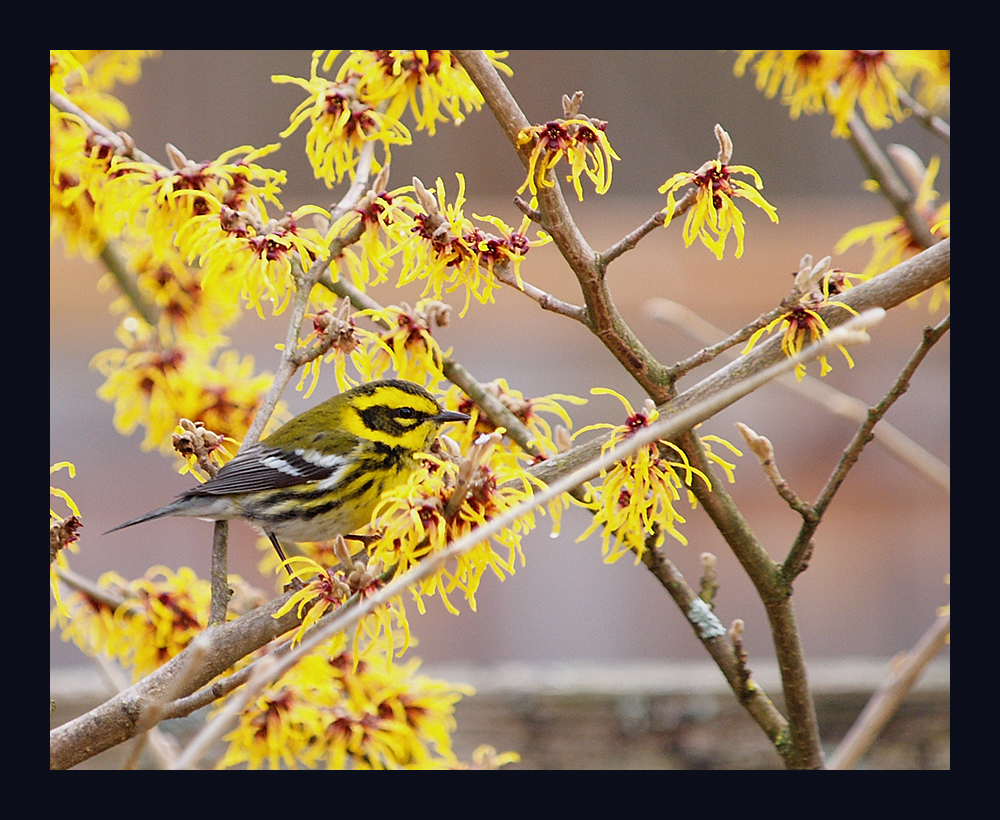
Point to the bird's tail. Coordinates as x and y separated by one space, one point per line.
170 509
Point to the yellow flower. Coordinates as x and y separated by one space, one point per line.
153 385
277 728
335 710
802 324
932 79
89 622
510 247
867 78
837 80
636 499
378 211
581 141
185 302
714 213
160 205
323 589
428 80
79 162
159 615
341 123
891 240
441 246
262 248
802 76
63 533
74 510
413 523
85 77
408 345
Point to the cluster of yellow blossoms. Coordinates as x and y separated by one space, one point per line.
837 81
191 242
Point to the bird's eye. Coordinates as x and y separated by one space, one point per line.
406 413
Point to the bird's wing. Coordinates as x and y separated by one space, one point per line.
265 468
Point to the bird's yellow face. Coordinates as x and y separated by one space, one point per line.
393 413
394 416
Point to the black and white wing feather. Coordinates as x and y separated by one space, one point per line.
269 468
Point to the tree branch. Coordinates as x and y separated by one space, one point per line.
878 165
887 290
115 721
629 241
853 450
749 693
603 318
890 696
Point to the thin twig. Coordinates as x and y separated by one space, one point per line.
708 588
630 240
931 121
532 213
878 165
708 353
101 595
764 450
545 300
890 696
739 649
817 390
853 450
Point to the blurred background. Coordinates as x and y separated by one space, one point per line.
876 576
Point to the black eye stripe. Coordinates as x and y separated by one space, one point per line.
392 420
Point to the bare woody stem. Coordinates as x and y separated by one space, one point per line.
601 315
886 701
931 121
748 691
878 165
887 290
629 241
802 750
706 354
853 450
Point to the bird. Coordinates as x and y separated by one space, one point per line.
322 473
